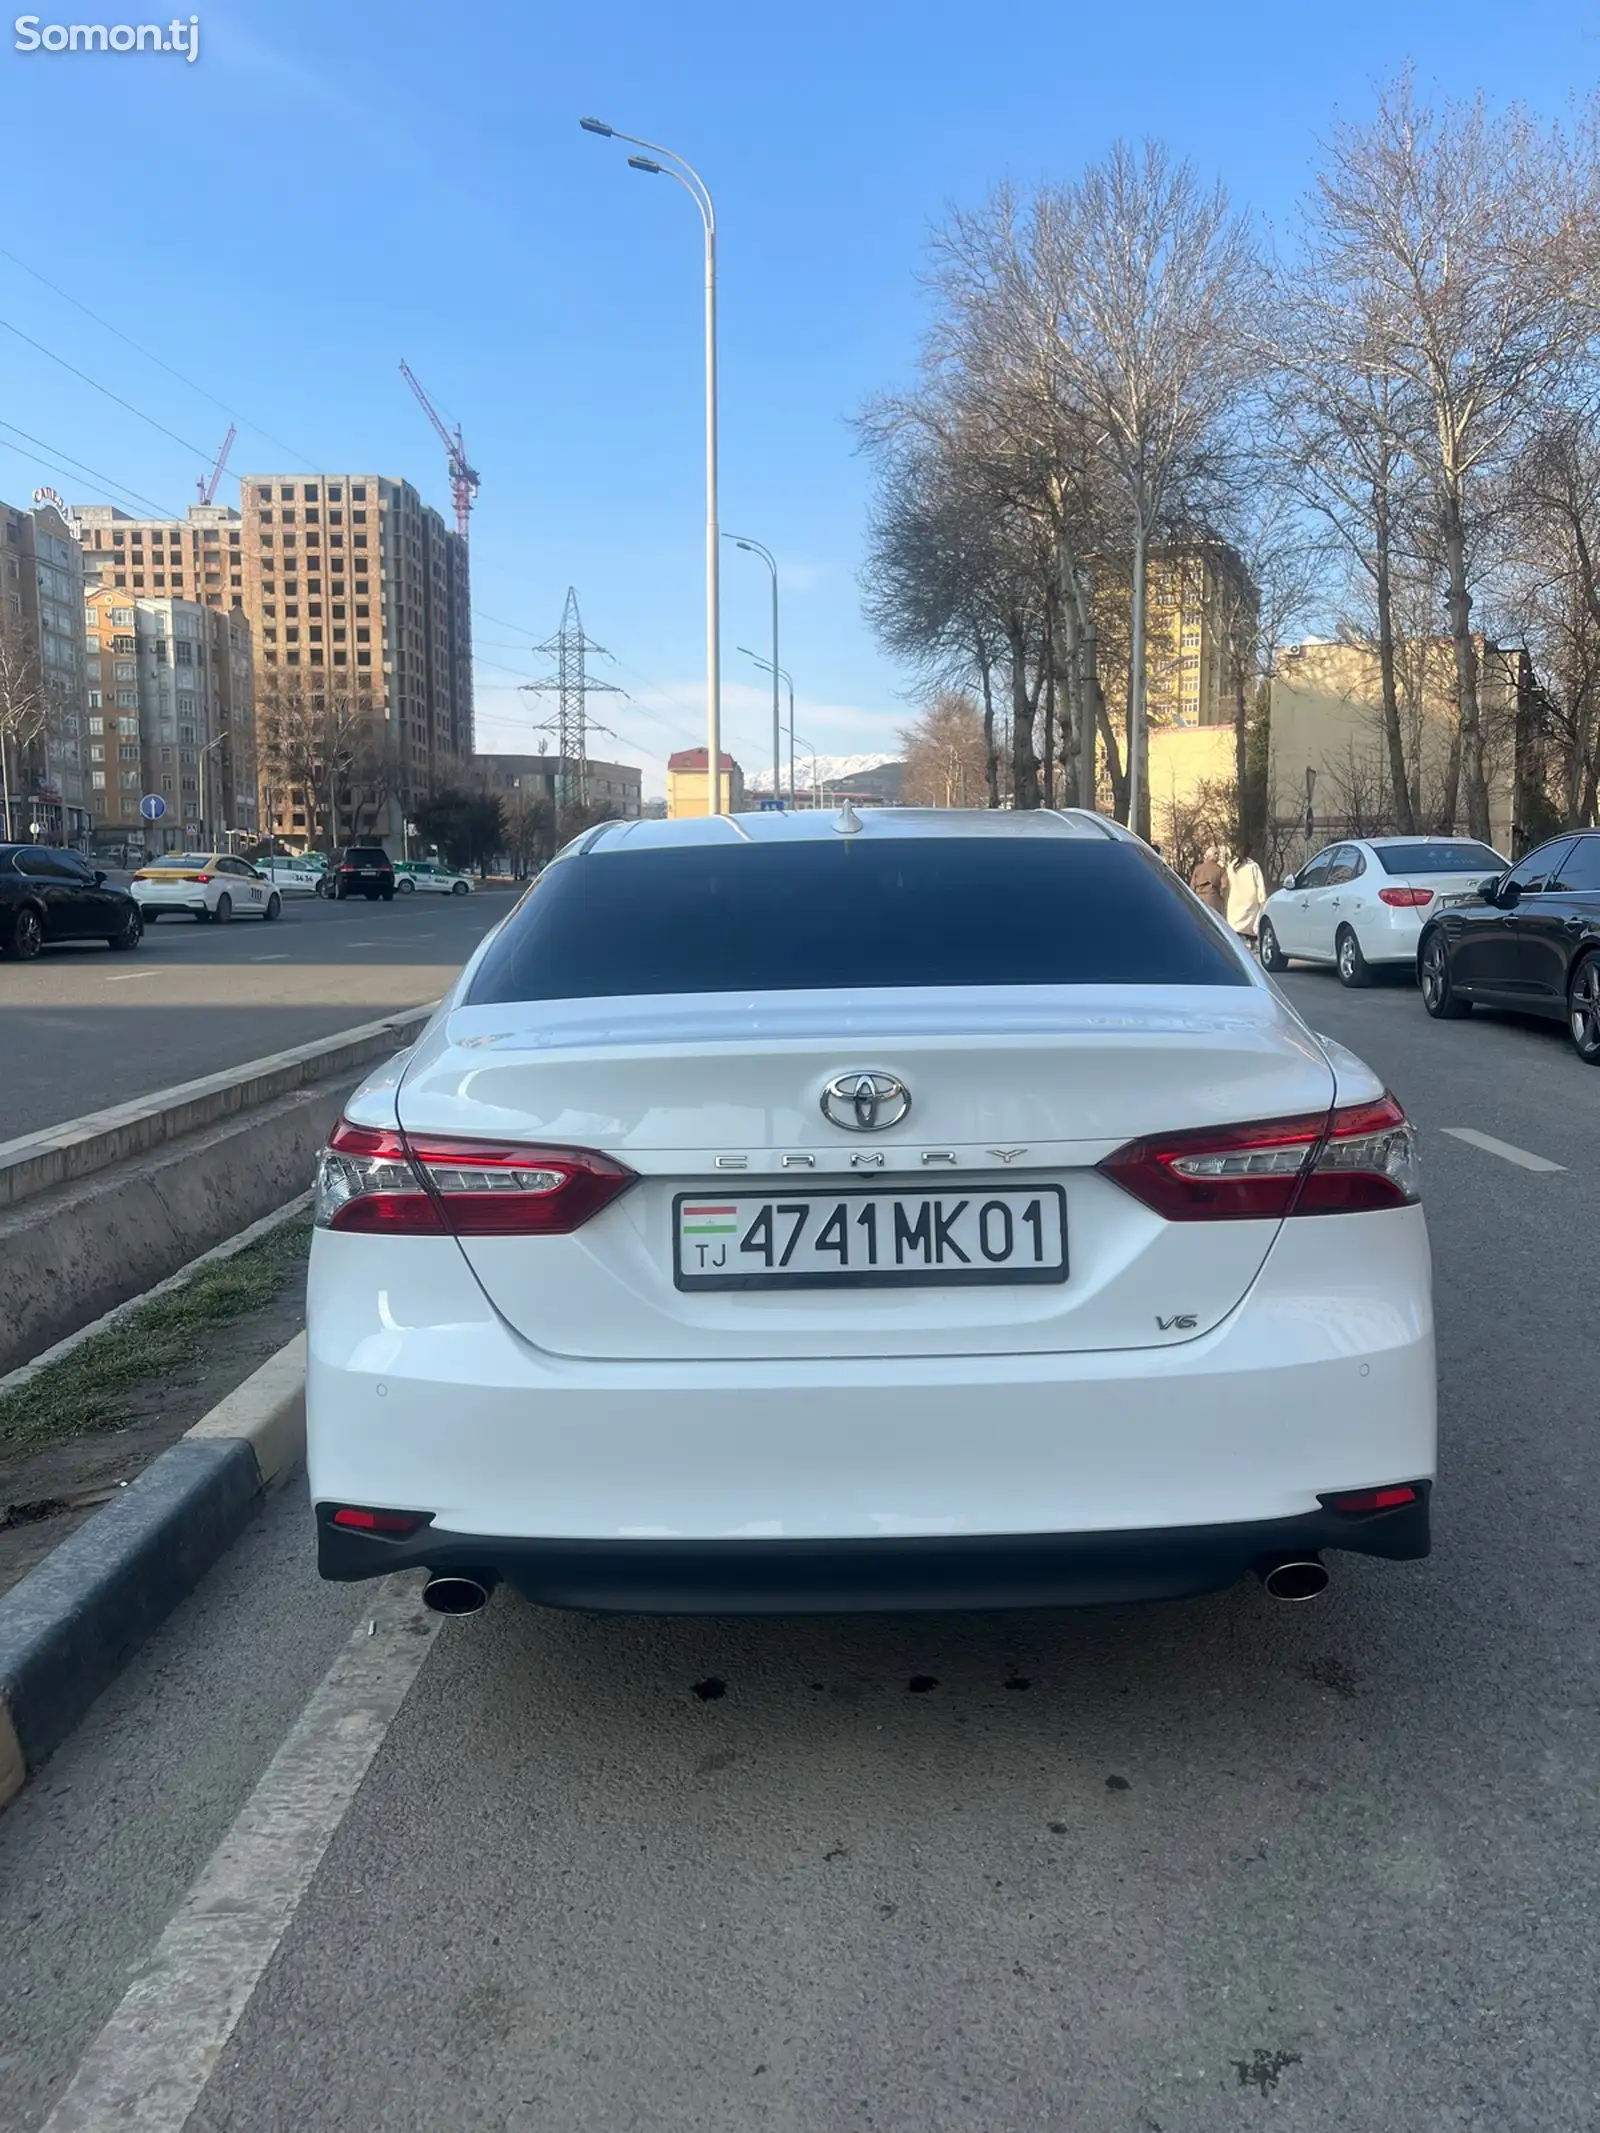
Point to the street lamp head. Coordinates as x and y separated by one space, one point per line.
646 163
597 126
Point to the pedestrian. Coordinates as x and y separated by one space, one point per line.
1247 893
1209 881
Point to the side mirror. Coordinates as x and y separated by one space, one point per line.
1289 881
1501 890
99 876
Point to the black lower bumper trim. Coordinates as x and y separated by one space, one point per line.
860 1576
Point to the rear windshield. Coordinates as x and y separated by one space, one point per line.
367 853
850 914
1449 858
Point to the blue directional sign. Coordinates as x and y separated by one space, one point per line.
773 807
152 807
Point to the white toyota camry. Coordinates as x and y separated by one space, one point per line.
912 1209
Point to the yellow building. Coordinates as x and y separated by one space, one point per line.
1327 756
688 787
1199 598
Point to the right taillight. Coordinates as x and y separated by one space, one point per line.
1358 1158
1406 899
386 1183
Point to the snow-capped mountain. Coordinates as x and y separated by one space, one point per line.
808 769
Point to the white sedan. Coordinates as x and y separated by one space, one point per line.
758 1224
294 877
433 875
1363 902
212 887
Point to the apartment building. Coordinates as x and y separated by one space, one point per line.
1199 601
197 557
44 787
171 712
359 600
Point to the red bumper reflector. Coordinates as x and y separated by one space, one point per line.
364 1521
1353 1502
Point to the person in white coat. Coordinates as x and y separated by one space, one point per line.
1247 893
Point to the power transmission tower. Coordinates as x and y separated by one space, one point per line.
572 687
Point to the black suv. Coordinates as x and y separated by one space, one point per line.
364 870
50 894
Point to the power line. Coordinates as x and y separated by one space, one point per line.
150 357
199 450
62 459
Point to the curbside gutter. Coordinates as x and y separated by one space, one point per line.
73 1622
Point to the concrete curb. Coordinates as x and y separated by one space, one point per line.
60 1155
72 1623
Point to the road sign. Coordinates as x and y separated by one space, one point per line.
772 807
152 807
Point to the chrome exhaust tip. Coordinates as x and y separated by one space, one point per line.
1293 1577
459 1592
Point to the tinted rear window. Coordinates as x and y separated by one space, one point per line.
853 913
1439 859
367 854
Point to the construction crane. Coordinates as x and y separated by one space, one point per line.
463 478
207 489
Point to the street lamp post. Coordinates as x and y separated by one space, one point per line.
771 561
768 665
205 833
695 186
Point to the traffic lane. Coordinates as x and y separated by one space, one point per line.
1144 1867
99 1848
1515 1077
80 1029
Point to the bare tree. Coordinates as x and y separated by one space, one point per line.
26 704
1457 223
1155 284
321 736
944 754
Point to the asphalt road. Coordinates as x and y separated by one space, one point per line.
1163 1870
82 1028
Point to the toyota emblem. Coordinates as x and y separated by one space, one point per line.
865 1102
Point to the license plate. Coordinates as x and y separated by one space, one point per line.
869 1238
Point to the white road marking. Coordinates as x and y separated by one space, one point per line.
145 2071
283 957
127 977
1503 1149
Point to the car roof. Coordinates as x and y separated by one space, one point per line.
1418 837
821 825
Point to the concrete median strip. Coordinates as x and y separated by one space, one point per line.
94 1211
72 1623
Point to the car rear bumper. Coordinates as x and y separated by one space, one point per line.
859 1576
1092 1474
173 899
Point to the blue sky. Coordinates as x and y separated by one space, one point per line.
327 190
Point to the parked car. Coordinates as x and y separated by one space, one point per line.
210 887
364 870
292 876
1363 903
1529 938
51 894
429 874
757 1225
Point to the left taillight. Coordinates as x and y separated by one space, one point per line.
383 1183
1405 899
1356 1159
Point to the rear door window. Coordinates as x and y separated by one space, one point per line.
853 913
1579 872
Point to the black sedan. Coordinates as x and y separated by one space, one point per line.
1528 939
47 894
